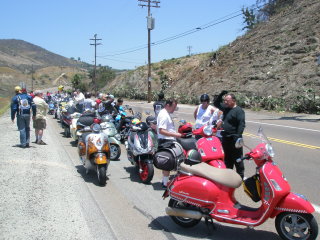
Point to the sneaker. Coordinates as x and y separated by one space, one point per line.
42 143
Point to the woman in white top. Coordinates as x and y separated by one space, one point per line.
206 114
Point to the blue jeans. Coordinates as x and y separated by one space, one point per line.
23 123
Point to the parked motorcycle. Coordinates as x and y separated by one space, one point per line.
200 190
94 151
52 108
85 120
109 129
140 150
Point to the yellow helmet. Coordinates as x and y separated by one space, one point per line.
17 88
60 88
136 121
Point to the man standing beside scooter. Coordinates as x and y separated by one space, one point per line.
233 126
167 131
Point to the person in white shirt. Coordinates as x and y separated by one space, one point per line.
206 114
166 130
39 122
88 103
79 99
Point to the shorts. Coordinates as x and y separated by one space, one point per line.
39 124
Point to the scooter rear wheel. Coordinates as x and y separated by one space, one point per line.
181 221
296 226
115 151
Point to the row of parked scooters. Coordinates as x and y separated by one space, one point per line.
99 137
202 187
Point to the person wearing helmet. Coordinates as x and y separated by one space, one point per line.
158 105
22 106
17 89
60 88
206 114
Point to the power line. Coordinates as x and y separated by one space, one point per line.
174 37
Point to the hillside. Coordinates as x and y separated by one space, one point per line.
21 61
275 60
19 54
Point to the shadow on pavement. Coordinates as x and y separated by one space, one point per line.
216 232
91 177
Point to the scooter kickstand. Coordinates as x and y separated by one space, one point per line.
210 221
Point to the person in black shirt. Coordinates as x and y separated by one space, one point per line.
233 126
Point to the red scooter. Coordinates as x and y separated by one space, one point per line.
200 190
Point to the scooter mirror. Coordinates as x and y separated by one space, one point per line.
239 143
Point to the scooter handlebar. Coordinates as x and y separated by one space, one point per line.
243 158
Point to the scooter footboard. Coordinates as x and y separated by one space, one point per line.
293 203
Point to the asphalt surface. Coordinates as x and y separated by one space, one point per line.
45 193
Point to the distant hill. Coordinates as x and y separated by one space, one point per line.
277 59
20 55
21 61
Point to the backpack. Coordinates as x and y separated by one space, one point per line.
23 104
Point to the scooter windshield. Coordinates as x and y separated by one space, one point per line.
265 140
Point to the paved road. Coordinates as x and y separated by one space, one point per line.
45 194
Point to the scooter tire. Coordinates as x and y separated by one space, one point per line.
102 174
183 222
146 173
291 225
115 148
67 133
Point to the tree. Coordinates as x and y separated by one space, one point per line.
249 18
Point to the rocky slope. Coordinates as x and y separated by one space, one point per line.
278 58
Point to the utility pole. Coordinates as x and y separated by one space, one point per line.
189 50
95 39
150 26
32 71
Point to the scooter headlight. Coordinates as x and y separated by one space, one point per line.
96 127
207 130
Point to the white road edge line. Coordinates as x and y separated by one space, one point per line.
316 207
271 124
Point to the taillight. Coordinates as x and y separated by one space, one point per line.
97 120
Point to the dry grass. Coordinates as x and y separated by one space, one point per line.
7 70
4 104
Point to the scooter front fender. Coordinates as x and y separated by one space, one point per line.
113 140
293 203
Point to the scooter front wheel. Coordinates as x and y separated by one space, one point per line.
181 221
296 226
102 174
146 172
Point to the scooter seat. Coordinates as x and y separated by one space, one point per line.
86 120
187 143
223 176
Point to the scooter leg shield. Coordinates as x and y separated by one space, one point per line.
293 203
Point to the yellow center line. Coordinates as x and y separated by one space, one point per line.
284 141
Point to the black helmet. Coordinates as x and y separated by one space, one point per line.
204 98
161 95
151 119
87 95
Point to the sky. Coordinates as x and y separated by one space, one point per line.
65 27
